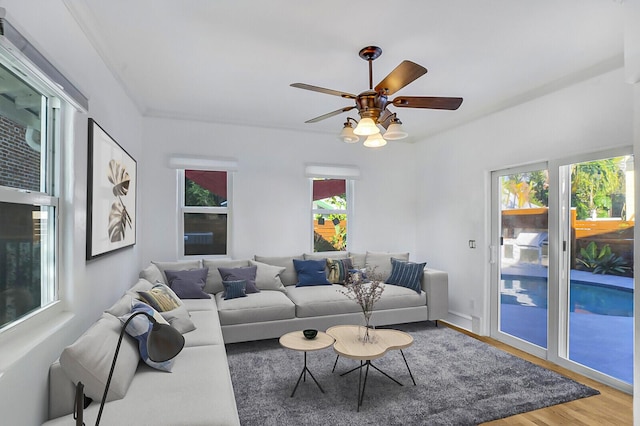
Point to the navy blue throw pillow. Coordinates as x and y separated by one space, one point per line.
406 274
234 289
311 272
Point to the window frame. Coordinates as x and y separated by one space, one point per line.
182 210
49 193
349 190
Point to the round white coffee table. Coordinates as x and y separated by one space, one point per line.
297 342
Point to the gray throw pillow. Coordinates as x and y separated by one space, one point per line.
246 274
188 284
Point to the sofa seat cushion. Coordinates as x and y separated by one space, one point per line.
207 330
200 304
201 371
268 305
394 297
321 300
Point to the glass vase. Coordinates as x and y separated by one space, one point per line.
366 330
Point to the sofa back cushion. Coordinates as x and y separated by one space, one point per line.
358 259
88 359
289 276
174 266
381 262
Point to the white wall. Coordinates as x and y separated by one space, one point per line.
89 288
271 195
455 168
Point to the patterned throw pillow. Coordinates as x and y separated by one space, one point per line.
234 289
139 329
339 270
406 274
168 304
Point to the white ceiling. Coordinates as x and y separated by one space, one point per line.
231 61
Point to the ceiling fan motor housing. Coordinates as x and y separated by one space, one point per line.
370 104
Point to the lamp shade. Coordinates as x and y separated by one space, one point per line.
164 342
366 127
347 135
375 141
395 132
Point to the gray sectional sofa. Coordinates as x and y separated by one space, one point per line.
199 387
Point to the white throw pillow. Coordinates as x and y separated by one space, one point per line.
268 276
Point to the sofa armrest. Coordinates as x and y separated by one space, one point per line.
61 392
436 284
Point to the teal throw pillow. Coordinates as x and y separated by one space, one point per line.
234 289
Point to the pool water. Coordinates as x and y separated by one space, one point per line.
600 322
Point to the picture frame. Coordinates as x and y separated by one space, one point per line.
111 194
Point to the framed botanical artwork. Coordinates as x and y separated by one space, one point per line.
111 194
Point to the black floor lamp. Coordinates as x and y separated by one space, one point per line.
163 343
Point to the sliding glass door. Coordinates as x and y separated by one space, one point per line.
600 258
562 262
521 256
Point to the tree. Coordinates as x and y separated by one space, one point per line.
592 185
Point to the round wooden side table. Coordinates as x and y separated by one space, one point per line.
297 342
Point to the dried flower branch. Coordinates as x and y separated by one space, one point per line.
365 289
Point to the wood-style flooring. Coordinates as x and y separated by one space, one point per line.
611 407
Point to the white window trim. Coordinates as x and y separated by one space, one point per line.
182 209
349 186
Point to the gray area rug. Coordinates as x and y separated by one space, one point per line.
460 381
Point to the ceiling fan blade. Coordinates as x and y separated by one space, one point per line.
402 75
330 114
323 90
427 102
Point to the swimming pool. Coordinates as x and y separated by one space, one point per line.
600 319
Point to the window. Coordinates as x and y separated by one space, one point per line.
330 214
205 212
28 196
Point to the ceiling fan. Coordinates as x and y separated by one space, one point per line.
372 104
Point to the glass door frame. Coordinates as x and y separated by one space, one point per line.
561 223
495 267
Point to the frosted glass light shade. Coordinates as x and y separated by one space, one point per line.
395 132
366 127
375 141
347 135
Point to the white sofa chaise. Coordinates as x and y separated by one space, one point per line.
199 389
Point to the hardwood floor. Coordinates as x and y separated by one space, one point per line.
611 407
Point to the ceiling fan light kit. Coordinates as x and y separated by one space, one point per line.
372 104
347 135
375 141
